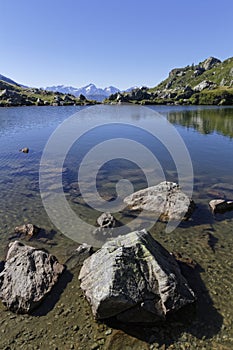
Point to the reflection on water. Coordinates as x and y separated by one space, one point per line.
207 133
205 121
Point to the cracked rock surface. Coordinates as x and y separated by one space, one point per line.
135 279
165 199
28 276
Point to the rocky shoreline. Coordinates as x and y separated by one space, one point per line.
15 96
123 281
208 83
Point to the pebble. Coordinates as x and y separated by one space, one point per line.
108 332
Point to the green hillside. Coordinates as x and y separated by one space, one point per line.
208 83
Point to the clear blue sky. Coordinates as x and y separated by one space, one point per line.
109 42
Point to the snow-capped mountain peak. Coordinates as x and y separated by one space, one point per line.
90 91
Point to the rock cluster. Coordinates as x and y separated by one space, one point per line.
16 95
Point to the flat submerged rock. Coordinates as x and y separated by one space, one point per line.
165 199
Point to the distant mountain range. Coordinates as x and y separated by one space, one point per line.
90 91
14 94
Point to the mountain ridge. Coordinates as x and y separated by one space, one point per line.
209 82
90 91
13 94
8 80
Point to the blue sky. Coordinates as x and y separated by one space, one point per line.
122 43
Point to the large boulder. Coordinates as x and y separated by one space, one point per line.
205 84
165 199
210 63
135 279
28 276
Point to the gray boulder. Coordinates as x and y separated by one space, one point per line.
135 279
198 71
165 199
205 84
210 63
28 276
39 102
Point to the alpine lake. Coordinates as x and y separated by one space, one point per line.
64 320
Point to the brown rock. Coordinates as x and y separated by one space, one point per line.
27 230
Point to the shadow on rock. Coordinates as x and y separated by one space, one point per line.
223 216
201 216
36 233
200 319
44 235
2 263
50 301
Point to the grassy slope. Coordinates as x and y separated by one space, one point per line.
172 90
215 75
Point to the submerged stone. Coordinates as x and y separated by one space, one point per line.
27 230
220 205
24 150
165 199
